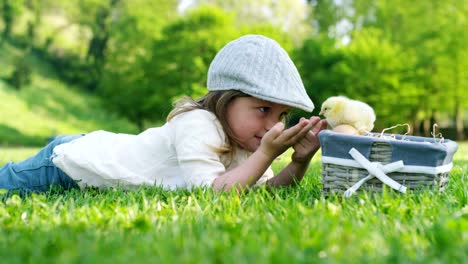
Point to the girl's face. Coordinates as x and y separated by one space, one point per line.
250 118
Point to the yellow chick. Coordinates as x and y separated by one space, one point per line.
339 110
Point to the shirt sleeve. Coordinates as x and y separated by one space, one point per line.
197 136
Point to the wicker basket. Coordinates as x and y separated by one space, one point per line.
423 162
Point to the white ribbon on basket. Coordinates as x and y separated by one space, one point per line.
375 170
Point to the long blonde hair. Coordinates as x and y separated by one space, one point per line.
216 102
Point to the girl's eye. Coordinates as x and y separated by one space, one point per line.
264 109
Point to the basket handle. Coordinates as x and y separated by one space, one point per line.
376 171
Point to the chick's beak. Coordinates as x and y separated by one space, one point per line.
321 112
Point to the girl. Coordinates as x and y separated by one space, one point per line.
226 139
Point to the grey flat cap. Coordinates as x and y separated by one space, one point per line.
260 67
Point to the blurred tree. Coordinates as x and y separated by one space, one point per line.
290 16
114 34
427 37
21 75
124 85
97 15
326 16
317 61
180 58
37 8
176 65
435 32
10 10
100 28
454 62
368 69
373 72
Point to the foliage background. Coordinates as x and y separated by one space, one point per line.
406 59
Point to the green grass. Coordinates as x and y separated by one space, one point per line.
47 107
289 225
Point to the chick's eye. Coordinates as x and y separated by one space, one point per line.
283 115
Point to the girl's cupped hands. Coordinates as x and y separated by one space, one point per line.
308 144
302 137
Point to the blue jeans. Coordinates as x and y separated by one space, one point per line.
38 173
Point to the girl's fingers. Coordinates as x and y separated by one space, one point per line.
321 125
297 132
305 130
307 140
275 131
310 124
294 130
314 119
300 130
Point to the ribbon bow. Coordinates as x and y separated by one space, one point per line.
375 170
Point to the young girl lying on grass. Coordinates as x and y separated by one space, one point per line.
226 139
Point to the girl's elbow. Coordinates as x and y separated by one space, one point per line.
220 185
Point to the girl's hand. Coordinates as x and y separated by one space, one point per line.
277 140
306 146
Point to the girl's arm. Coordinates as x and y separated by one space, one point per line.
291 174
244 175
304 150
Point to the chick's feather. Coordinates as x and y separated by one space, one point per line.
339 110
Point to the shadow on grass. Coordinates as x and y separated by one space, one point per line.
57 100
72 106
12 137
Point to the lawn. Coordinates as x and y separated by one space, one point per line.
289 225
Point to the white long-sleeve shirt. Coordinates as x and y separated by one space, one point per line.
180 154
